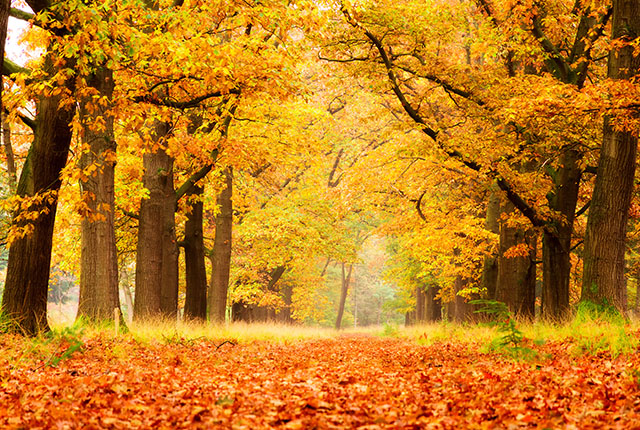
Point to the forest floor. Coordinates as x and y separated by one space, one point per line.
347 381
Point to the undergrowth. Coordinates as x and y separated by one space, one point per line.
591 331
510 339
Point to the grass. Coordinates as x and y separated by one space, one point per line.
170 331
588 333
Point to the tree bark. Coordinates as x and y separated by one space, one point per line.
343 294
516 286
251 312
490 264
222 251
195 306
556 244
170 254
285 315
24 300
99 261
5 6
433 305
156 258
8 152
421 299
603 279
461 311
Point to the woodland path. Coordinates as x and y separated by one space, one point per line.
346 382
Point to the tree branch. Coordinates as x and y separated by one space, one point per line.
331 183
393 80
193 180
9 68
155 100
558 60
583 44
130 214
525 208
419 209
583 209
445 85
21 14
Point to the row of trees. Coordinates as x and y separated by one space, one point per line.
511 97
468 131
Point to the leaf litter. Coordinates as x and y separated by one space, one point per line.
346 382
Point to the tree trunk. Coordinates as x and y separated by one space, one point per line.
222 251
490 265
603 279
170 254
556 244
461 310
421 299
156 272
195 306
433 305
5 6
24 301
8 152
99 261
251 312
343 294
128 300
284 316
516 286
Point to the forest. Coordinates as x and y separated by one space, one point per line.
332 214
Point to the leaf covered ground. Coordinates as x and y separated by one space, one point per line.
353 381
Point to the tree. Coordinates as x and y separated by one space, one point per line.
24 300
99 294
344 290
603 279
412 65
222 251
157 252
195 306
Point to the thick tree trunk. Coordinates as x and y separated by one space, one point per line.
490 265
461 311
433 305
99 261
343 294
24 300
556 244
156 258
603 279
285 315
222 251
195 306
516 286
170 255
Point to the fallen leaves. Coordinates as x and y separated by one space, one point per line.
347 382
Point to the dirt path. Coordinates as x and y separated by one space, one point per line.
347 382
